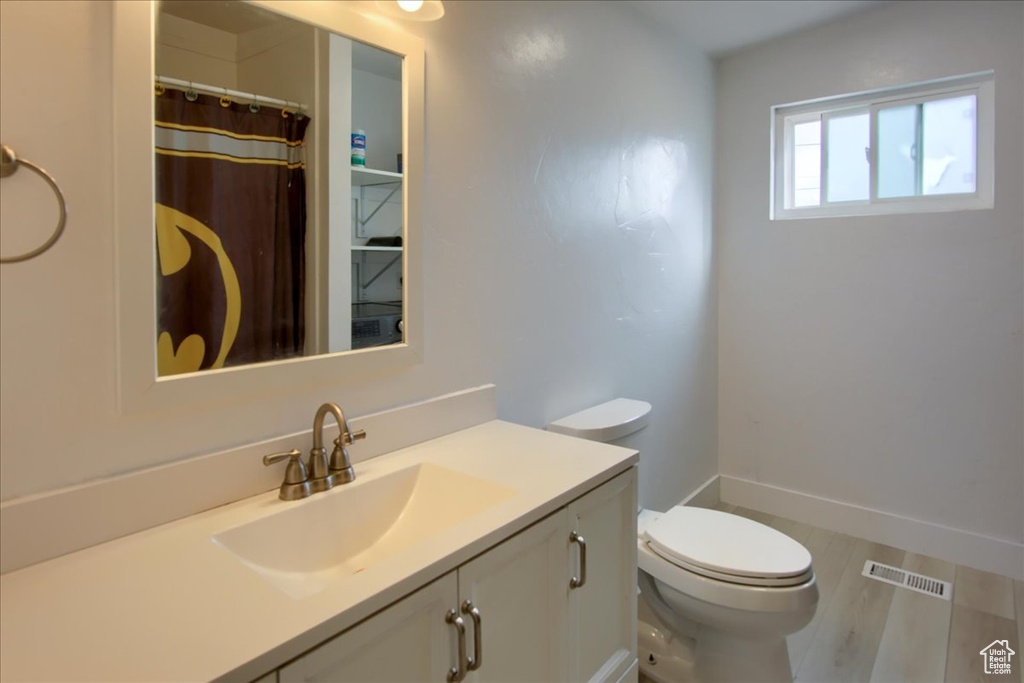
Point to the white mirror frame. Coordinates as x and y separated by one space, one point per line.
140 389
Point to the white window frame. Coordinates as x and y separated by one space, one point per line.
826 118
784 117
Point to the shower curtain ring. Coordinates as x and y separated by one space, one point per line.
225 101
254 106
191 95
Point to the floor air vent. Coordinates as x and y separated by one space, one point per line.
901 577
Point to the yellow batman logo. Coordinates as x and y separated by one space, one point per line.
174 253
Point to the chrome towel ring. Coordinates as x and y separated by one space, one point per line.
9 163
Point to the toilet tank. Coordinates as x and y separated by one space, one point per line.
607 422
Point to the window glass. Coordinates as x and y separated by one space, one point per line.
807 163
848 141
881 152
948 136
897 151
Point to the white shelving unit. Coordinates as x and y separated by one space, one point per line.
371 176
366 178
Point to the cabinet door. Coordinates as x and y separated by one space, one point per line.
408 641
602 623
522 592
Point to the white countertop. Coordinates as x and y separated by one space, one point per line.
168 604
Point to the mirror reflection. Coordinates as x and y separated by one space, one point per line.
279 189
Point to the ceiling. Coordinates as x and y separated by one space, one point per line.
719 27
233 17
716 27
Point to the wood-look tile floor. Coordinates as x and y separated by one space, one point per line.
866 630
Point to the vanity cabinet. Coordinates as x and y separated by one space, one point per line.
408 641
521 589
602 612
535 622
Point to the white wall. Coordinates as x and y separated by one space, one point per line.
377 109
334 183
568 244
195 52
876 361
279 61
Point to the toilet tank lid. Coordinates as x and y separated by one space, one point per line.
605 422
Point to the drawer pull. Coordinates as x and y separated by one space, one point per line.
457 673
478 649
582 580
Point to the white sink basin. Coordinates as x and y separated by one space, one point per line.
314 542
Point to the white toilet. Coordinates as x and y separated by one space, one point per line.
719 592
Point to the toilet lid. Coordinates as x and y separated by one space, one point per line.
728 547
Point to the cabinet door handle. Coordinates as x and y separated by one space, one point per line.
582 580
457 673
478 648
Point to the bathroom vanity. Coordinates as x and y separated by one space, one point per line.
496 552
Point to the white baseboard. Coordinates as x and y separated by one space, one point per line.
953 545
43 526
706 495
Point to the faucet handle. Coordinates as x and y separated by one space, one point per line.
295 473
350 437
341 464
295 484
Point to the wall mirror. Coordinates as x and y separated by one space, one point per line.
281 181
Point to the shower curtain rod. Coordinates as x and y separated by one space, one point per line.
234 94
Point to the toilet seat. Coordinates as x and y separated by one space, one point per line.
743 580
726 593
727 547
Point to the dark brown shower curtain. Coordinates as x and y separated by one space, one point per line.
231 227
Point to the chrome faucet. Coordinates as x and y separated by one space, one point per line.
320 475
339 469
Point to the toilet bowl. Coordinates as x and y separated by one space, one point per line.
719 592
725 592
